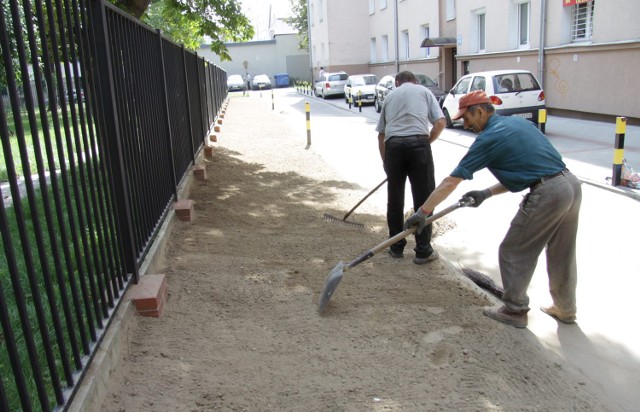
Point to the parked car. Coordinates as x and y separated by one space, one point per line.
260 81
512 92
361 86
388 83
331 84
235 82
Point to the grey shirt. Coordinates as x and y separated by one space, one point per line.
409 110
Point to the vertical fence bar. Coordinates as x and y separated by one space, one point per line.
168 117
188 101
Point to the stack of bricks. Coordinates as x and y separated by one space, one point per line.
149 295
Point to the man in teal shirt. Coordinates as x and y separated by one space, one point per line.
520 157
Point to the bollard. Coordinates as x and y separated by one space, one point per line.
360 101
307 109
350 100
542 119
618 152
273 105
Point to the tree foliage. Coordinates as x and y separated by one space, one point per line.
189 21
299 21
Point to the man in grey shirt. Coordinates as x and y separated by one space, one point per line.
410 121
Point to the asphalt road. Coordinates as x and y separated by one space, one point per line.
603 347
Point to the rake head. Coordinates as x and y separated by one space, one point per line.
352 225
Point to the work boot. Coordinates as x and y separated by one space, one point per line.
564 317
509 317
395 255
421 261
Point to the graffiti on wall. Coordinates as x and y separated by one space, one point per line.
559 84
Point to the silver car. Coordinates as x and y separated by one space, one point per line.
331 84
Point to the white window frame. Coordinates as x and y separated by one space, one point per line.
372 50
451 10
481 17
425 51
405 44
524 27
582 22
384 50
372 7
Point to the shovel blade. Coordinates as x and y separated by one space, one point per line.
330 285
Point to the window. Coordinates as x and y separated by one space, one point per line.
372 6
479 83
481 33
523 24
383 4
582 22
320 11
425 51
451 9
372 50
405 44
384 49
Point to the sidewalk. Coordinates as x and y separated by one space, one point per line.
603 346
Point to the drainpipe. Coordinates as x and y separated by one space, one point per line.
309 42
543 19
395 29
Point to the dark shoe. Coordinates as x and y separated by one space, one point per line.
421 261
504 315
563 317
396 255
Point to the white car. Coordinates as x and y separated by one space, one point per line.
261 81
331 84
361 86
512 92
235 82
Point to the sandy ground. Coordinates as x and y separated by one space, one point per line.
241 332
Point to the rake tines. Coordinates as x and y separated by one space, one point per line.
333 219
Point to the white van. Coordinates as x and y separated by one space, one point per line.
512 92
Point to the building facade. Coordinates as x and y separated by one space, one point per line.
582 51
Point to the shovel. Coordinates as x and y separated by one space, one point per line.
335 276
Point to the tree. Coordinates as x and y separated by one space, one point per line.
299 21
188 21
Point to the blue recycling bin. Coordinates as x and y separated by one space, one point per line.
282 79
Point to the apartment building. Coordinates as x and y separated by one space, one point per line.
582 51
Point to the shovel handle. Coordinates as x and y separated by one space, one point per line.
461 203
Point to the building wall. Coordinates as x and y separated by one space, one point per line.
270 57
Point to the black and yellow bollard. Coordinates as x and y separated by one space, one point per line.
360 101
542 119
273 104
618 150
350 100
307 109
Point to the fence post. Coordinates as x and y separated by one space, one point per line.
186 95
166 111
618 152
307 109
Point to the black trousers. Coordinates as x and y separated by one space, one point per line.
408 156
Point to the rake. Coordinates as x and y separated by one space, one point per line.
353 224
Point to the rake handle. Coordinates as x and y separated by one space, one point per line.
368 254
364 198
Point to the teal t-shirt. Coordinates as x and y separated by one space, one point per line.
514 151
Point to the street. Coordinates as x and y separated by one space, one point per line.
603 346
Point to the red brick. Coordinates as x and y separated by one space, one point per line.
216 129
219 121
200 172
208 151
149 295
184 210
213 138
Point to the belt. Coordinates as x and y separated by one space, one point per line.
411 137
545 178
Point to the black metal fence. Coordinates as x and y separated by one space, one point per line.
100 120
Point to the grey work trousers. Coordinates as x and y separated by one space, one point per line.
547 217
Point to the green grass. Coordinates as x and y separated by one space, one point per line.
5 367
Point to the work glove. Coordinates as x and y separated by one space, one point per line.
417 219
478 196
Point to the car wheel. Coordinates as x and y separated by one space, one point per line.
376 104
447 118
